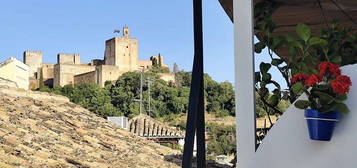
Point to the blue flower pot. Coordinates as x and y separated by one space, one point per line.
321 126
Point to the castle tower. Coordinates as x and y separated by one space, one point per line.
63 58
34 60
122 52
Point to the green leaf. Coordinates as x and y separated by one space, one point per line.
257 77
340 107
277 42
325 109
321 87
258 47
303 31
340 98
266 77
295 44
276 62
324 96
289 38
297 88
263 91
337 59
303 68
274 100
316 41
302 104
277 93
264 67
325 49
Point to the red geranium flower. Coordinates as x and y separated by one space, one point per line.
328 67
299 77
345 80
313 79
341 85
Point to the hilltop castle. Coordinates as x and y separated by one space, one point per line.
121 55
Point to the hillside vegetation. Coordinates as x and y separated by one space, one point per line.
169 102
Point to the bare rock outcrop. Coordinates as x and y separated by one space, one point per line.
45 130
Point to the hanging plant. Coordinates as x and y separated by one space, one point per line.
326 90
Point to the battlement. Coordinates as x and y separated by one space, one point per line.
33 58
33 51
64 58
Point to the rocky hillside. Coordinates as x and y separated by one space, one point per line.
44 130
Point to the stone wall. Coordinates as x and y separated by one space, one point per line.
144 63
48 71
68 58
168 77
34 60
97 62
64 73
89 77
107 73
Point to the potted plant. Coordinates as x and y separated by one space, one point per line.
326 90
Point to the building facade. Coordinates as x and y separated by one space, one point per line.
14 73
120 56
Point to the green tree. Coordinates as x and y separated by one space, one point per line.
93 98
222 139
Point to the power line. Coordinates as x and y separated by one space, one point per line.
322 12
344 12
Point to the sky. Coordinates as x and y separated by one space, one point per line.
82 26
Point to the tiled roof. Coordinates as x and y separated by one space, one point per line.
43 130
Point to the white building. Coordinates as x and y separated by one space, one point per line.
121 122
14 73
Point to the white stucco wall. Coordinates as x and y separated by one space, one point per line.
16 71
287 144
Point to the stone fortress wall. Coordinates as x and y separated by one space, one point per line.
120 56
63 58
64 73
89 77
107 73
34 60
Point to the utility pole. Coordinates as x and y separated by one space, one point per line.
141 91
149 99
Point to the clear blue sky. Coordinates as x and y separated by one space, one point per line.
82 26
